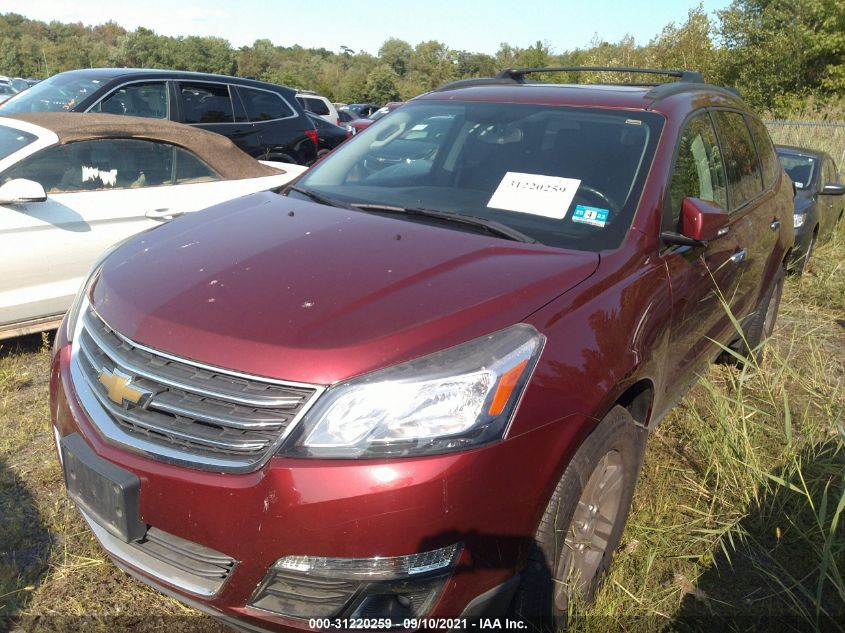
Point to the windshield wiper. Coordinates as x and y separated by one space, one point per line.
488 226
318 197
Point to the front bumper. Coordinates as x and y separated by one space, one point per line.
489 500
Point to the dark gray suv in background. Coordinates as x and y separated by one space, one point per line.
265 120
819 203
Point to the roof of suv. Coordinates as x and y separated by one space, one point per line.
115 73
510 86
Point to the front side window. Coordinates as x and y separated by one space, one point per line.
745 182
830 176
263 105
106 164
565 176
206 103
698 168
141 99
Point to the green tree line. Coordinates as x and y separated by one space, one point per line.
776 52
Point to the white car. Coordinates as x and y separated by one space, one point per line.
319 105
71 185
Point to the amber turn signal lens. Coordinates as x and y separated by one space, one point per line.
507 383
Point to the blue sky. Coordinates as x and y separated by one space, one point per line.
477 26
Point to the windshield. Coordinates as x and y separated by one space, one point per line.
11 140
6 89
58 93
567 177
800 169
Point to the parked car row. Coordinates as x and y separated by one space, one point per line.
418 381
267 121
73 185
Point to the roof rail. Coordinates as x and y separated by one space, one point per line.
518 74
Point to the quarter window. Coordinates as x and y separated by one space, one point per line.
317 106
143 99
741 164
206 103
262 105
111 164
698 168
768 158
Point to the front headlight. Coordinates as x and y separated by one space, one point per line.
798 220
451 400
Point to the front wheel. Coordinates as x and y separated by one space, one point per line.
583 522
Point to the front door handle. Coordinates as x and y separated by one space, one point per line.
739 256
163 214
775 225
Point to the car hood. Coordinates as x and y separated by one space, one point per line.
289 289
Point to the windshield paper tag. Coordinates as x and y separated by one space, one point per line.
590 215
548 196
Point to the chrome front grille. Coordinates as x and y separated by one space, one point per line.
191 414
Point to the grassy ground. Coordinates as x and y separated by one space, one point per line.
738 513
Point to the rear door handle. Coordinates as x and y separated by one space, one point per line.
739 256
775 225
163 214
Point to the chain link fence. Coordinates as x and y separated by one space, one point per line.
827 136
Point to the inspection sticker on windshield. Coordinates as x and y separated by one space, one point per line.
549 196
590 215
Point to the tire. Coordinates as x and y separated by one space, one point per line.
583 509
798 269
762 324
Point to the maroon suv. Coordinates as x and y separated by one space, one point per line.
421 387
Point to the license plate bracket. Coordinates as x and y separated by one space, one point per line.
107 493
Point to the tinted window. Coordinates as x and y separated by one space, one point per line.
144 99
111 164
206 103
698 168
765 149
56 94
262 105
799 168
317 106
11 140
743 169
830 176
568 177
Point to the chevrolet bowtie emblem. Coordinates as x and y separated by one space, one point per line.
119 388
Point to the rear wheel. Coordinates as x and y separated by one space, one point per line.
762 324
583 522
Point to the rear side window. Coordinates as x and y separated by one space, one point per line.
741 164
143 99
263 105
206 103
317 106
765 149
698 168
111 164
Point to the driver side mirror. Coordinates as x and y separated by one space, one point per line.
833 189
701 223
21 191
